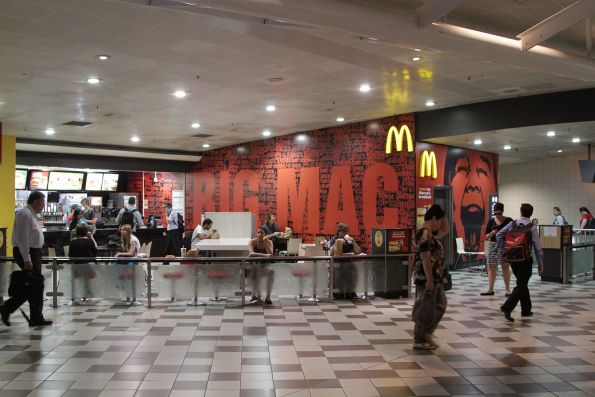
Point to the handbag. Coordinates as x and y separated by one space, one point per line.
446 280
24 283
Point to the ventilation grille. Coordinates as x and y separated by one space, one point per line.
77 123
201 136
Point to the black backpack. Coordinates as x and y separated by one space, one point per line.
180 224
128 218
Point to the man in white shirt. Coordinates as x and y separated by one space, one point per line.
172 244
201 232
136 215
27 242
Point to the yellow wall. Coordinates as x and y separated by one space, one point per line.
7 167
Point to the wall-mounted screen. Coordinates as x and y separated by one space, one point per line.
94 181
95 201
66 180
38 180
20 179
110 182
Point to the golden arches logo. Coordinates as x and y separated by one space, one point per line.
427 165
398 135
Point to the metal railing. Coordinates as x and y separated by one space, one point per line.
56 264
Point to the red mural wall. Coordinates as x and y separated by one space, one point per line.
473 176
157 193
313 180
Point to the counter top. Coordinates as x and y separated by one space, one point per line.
224 244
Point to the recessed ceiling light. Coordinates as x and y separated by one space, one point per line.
417 49
364 88
93 80
477 142
301 138
559 150
271 108
135 139
430 103
507 147
179 94
576 140
266 133
340 119
50 131
551 133
195 125
103 57
416 59
205 145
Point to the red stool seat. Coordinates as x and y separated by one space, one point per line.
173 274
216 274
301 272
126 274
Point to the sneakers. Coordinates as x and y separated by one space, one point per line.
5 316
423 346
507 315
40 323
527 314
490 293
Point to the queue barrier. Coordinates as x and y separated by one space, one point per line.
139 278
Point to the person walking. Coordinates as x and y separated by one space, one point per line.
522 270
27 242
495 255
172 243
430 303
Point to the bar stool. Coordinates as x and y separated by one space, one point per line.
217 276
84 272
300 273
195 277
172 275
129 273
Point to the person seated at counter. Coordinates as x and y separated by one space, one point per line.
129 243
83 246
345 277
272 229
77 219
137 218
201 232
89 215
261 246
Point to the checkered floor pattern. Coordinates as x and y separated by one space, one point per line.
342 349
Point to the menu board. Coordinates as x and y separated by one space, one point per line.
94 181
20 179
110 182
399 241
66 180
95 201
38 180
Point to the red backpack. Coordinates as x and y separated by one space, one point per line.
517 243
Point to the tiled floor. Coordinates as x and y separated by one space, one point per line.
344 349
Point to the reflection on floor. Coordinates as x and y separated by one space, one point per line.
342 349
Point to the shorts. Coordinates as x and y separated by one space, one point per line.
495 254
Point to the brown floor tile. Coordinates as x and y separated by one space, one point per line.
225 376
397 391
189 385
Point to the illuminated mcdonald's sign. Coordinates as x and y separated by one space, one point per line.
427 165
398 135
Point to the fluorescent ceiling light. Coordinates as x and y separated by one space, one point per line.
477 142
559 150
271 108
180 94
266 133
195 125
301 138
417 49
507 147
135 139
205 145
416 59
364 88
576 140
50 131
103 57
551 133
93 80
340 119
430 103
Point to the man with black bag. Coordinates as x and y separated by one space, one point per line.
27 284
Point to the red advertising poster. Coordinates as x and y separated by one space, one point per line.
473 176
38 180
399 241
